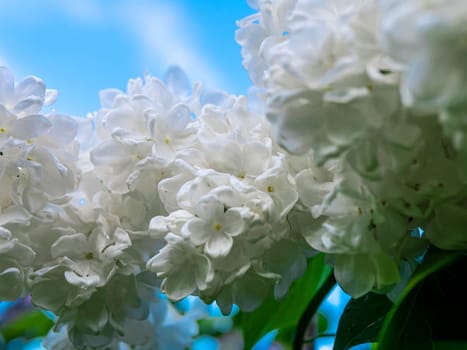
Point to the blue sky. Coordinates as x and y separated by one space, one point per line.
82 46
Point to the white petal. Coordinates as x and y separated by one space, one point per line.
30 87
64 130
70 245
56 179
198 231
107 97
179 284
355 273
158 227
210 209
119 242
41 295
23 254
163 153
14 214
28 106
50 96
11 283
311 191
125 117
256 156
219 244
113 153
233 223
178 117
31 126
177 81
87 281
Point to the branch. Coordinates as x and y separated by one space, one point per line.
311 309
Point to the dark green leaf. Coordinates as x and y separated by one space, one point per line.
29 325
361 320
285 337
444 345
429 308
284 313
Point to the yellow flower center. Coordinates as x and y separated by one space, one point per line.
167 140
217 227
270 189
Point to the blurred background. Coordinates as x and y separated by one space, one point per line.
81 47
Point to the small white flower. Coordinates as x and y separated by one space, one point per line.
183 268
25 97
215 226
428 38
15 257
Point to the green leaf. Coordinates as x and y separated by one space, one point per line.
445 345
429 308
285 337
361 320
29 325
284 313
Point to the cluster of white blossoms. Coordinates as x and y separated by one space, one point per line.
199 173
376 91
166 186
77 197
360 153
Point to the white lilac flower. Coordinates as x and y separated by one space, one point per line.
285 259
101 319
228 196
165 328
276 183
38 152
270 26
116 161
15 258
428 39
26 97
215 226
88 257
247 290
171 132
324 95
183 268
359 273
139 132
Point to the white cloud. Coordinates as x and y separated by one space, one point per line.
162 30
82 10
35 11
165 34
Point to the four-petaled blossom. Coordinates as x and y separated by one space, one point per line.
215 226
182 266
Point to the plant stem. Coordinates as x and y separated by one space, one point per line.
311 309
322 335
